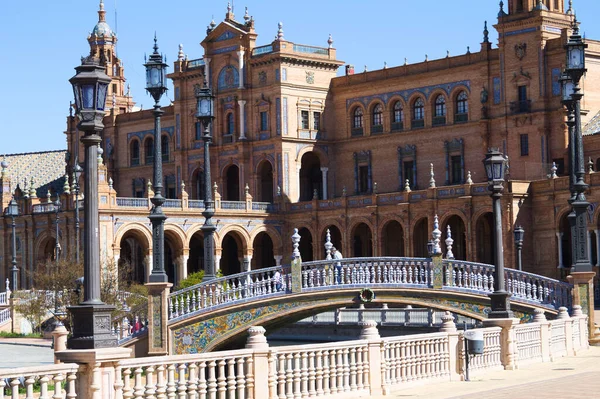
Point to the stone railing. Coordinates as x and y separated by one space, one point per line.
132 202
172 203
4 316
4 298
262 50
131 324
55 380
491 359
46 207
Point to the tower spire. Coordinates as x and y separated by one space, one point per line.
101 12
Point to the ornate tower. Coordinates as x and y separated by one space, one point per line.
103 44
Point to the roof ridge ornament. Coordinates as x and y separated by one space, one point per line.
501 13
486 33
280 31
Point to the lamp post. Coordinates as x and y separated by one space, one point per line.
495 165
575 69
91 318
57 206
519 233
205 115
156 86
13 211
76 175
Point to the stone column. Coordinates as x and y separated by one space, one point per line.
583 295
298 168
184 261
263 366
242 105
247 262
278 259
507 340
207 69
324 171
158 317
148 264
369 332
560 251
240 55
597 247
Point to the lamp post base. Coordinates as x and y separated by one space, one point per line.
92 327
500 305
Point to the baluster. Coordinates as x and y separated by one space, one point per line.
150 388
341 374
192 385
289 382
353 369
360 368
138 388
250 377
281 376
231 378
333 371
304 374
241 379
318 374
181 383
326 373
58 379
161 387
304 279
70 387
410 273
272 380
221 382
480 279
212 380
528 289
43 386
29 381
127 388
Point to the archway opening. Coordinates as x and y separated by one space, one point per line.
198 185
486 246
132 265
195 262
336 239
420 238
362 241
565 237
306 245
232 253
262 254
311 178
232 184
48 250
171 253
393 239
459 246
265 182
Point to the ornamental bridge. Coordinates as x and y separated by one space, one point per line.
207 316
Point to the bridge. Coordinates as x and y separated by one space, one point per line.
209 315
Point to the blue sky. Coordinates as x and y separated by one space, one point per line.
42 42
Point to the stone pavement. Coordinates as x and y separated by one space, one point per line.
565 378
41 342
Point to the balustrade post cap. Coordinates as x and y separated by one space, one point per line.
563 313
369 330
256 338
577 311
448 324
538 315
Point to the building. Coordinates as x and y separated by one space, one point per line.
369 156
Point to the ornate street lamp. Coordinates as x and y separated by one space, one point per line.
76 175
519 233
205 115
575 69
495 166
156 86
13 211
90 327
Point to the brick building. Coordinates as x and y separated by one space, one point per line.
371 156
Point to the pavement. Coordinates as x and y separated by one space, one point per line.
565 378
40 342
25 352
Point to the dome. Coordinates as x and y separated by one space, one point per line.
102 29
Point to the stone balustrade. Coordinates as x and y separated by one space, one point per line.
5 316
59 378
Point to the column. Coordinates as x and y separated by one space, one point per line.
240 55
597 247
560 250
247 262
278 259
218 253
148 265
298 167
184 261
207 69
324 171
242 104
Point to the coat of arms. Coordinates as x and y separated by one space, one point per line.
310 78
521 50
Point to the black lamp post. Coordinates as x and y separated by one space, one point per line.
519 233
57 249
205 115
76 175
156 86
495 166
13 211
91 318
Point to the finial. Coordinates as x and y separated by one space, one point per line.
447 53
468 50
449 241
215 187
32 193
590 166
384 64
407 186
486 33
246 189
575 25
328 245
100 152
280 31
570 10
469 180
180 54
110 183
228 7
553 170
48 195
375 189
431 176
246 15
182 186
155 44
66 187
101 12
4 165
315 194
426 58
501 13
330 41
279 191
436 234
296 244
405 61
149 184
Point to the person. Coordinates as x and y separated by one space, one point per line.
277 280
337 255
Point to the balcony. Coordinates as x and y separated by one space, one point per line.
135 161
356 131
397 126
149 159
377 129
227 138
417 124
439 120
520 107
461 118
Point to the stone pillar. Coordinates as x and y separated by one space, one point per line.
583 295
540 317
560 251
597 247
589 245
184 261
298 168
454 347
247 263
240 55
324 171
507 340
242 104
263 367
158 317
59 336
278 259
369 332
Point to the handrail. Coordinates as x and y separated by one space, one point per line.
132 202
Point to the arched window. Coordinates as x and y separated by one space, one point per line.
378 115
149 150
164 148
397 116
357 122
134 153
418 113
230 124
440 106
462 107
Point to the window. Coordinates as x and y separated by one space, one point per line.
138 188
409 167
198 131
304 120
418 113
317 121
523 105
455 160
462 107
378 115
149 150
114 88
397 116
277 75
135 153
440 106
519 5
264 121
524 145
164 148
560 165
358 118
363 179
170 189
230 124
362 172
456 169
284 74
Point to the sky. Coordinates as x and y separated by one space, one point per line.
42 42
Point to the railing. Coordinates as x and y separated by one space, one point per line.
529 342
492 351
4 316
233 205
48 378
438 120
397 126
47 207
172 203
227 138
356 131
131 323
461 118
262 49
522 285
262 206
558 338
376 129
196 204
132 202
417 123
197 63
299 48
520 107
4 298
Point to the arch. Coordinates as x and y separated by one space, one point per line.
229 123
232 183
439 105
262 251
462 103
397 114
197 184
418 111
233 228
164 147
357 117
318 151
148 150
336 238
132 256
232 246
420 237
229 78
484 238
195 261
311 177
134 152
264 189
274 234
45 248
457 227
306 244
362 240
392 239
140 230
377 113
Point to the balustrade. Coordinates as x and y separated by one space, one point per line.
59 378
492 351
528 341
4 316
132 202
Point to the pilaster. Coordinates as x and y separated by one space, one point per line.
158 330
507 340
583 295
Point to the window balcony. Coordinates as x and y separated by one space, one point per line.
135 161
397 126
165 157
439 120
356 131
228 139
417 124
461 118
520 107
149 159
377 129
